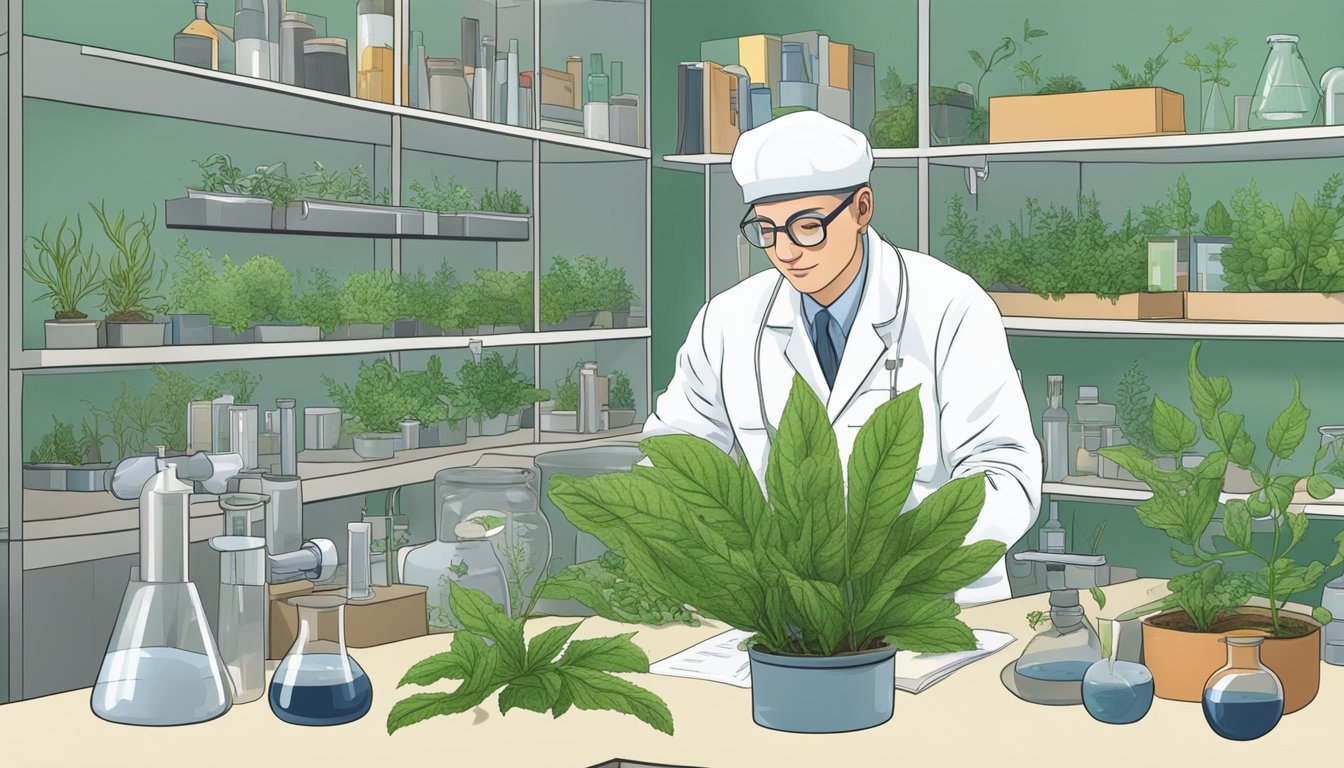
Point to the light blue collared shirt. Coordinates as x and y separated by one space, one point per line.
843 310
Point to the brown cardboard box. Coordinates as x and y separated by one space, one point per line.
1086 115
394 613
1086 306
1221 306
557 87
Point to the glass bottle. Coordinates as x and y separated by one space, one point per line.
599 86
499 504
1066 649
1286 95
295 30
1243 700
317 683
326 65
617 78
1091 416
256 38
242 613
197 44
1052 533
1116 691
1055 430
374 71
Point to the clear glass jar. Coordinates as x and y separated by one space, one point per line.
317 683
1286 95
1243 700
1116 691
471 564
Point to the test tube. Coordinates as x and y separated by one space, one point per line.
288 427
241 626
243 434
358 571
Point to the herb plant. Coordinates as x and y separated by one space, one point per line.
379 400
268 288
1062 84
133 272
1184 501
552 673
810 571
239 382
1007 48
440 197
273 182
1300 252
614 592
431 393
63 269
605 287
1152 66
351 185
319 303
131 422
1175 215
493 387
567 390
508 201
193 280
501 298
561 291
898 124
171 394
441 301
1134 409
58 446
619 394
370 297
1213 73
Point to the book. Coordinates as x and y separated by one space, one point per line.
863 91
741 101
561 126
719 660
690 108
841 65
720 124
760 56
557 87
561 113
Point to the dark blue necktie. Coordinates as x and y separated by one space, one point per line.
830 361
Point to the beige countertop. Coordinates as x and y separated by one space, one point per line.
969 719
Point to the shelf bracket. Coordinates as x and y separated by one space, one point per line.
976 171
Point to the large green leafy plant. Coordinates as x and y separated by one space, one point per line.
371 297
1184 502
494 387
1299 252
810 571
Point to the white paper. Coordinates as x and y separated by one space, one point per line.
719 660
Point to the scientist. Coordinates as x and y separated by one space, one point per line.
860 320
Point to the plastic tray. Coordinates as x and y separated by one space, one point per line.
217 210
472 225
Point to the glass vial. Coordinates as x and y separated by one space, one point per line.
289 437
1286 94
317 683
1116 691
482 100
358 571
1244 700
256 42
617 83
197 45
374 75
241 628
511 85
1055 430
596 113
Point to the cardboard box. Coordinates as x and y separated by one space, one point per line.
284 618
1086 306
557 87
397 612
1086 115
1264 307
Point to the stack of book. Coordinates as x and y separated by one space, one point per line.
743 82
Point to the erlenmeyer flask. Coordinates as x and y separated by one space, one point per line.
1286 95
317 683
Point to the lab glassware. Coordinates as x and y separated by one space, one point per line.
243 434
481 99
511 84
242 613
1116 691
1216 112
162 666
359 566
1067 648
1332 635
1055 430
478 501
374 73
244 514
1243 700
1052 532
1286 94
597 112
318 683
197 45
1091 416
448 92
289 447
326 65
470 564
256 29
295 30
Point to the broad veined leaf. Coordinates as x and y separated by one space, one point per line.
589 689
1237 523
1185 559
1207 394
1319 487
821 605
570 585
546 646
1288 430
1229 426
422 706
1297 523
535 691
804 477
959 567
480 615
881 472
817 551
465 655
1140 466
1173 431
706 480
606 654
926 625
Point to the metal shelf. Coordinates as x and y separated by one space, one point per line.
883 158
1170 329
1132 493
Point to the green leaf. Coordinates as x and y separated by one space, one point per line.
882 469
1322 615
592 690
480 615
606 654
978 59
546 646
942 635
422 706
1099 596
1217 221
1297 523
1185 559
706 480
535 692
1319 487
1172 430
1288 430
1237 523
1207 394
821 606
467 653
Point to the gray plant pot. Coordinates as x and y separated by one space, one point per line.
620 318
321 428
224 335
472 225
578 322
190 329
515 421
376 445
355 331
72 334
288 333
822 694
950 122
87 478
444 435
414 327
618 418
217 210
45 477
494 426
560 421
137 334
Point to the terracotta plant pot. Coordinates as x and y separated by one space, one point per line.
1181 662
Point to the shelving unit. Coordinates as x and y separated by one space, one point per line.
1130 494
46 532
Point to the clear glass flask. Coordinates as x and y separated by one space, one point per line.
1055 430
1066 649
1286 95
241 628
317 683
1216 111
1116 691
1244 700
162 666
376 62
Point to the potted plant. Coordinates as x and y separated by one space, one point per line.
232 313
90 473
51 460
369 301
608 290
375 407
434 395
897 125
269 289
950 112
131 421
620 401
1182 643
190 296
424 299
565 304
564 413
501 301
828 575
319 304
491 390
132 277
69 276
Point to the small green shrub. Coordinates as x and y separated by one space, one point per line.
567 390
561 291
1297 252
58 446
193 280
319 304
620 396
1062 84
443 198
370 297
493 387
133 274
501 298
378 401
508 201
239 382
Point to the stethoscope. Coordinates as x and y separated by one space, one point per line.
892 364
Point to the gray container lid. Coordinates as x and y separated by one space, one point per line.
485 475
325 45
242 559
597 459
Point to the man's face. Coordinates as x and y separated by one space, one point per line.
812 268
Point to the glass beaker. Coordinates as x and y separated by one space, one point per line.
317 683
242 613
1243 700
1286 95
1116 691
1066 649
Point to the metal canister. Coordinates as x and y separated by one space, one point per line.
326 65
295 31
448 86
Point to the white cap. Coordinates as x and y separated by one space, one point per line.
799 154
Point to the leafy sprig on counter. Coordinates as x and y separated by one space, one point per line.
615 592
552 673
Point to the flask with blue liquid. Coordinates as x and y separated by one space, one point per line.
1244 700
318 683
1116 691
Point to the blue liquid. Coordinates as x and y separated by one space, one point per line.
1119 692
1055 671
1242 716
319 691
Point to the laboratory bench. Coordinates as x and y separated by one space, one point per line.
968 719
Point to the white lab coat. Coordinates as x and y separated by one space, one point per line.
954 345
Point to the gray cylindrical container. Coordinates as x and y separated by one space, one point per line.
321 428
359 566
243 434
240 627
822 694
448 91
326 65
590 419
289 438
295 31
284 513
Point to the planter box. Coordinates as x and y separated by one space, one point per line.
87 478
1130 306
137 334
376 446
286 333
474 225
321 217
618 419
190 329
822 694
496 426
1086 115
72 334
355 331
45 477
217 210
560 421
578 322
414 327
224 335
1265 307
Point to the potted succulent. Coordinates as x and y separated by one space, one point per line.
48 464
132 277
620 401
566 304
1182 642
190 296
492 390
368 302
375 407
829 576
69 275
319 304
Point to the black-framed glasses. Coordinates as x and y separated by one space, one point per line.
806 229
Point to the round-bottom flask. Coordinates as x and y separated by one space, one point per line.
317 683
1243 700
1116 691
